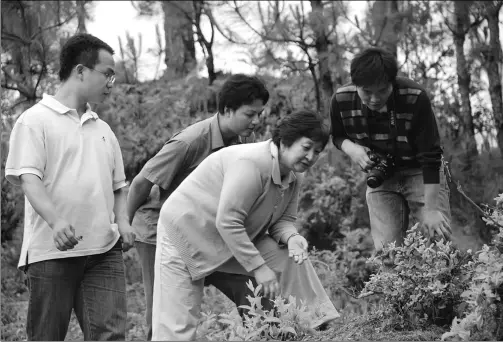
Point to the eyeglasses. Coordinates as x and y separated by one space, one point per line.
110 77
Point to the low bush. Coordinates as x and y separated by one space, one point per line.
329 204
425 282
287 321
482 314
345 269
435 283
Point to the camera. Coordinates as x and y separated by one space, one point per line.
384 168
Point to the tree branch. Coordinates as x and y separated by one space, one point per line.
187 15
42 71
206 10
383 26
283 62
264 36
22 88
220 30
9 87
58 24
355 24
15 38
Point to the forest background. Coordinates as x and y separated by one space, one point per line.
302 50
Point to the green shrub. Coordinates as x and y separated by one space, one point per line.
329 204
425 282
12 197
345 268
287 321
13 280
12 208
434 283
483 300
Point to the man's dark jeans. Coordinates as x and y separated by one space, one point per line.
231 285
94 286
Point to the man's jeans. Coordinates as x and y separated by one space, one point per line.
94 286
232 285
398 197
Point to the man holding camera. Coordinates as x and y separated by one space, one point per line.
386 125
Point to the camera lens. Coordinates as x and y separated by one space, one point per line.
373 181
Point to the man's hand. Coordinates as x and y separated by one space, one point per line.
297 248
127 235
267 278
435 222
64 235
358 154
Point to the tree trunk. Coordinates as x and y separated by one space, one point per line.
210 66
466 127
386 25
180 51
81 16
206 45
318 24
317 95
493 60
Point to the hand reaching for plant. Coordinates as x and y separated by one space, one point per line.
435 223
267 278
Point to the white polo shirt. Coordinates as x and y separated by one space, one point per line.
80 164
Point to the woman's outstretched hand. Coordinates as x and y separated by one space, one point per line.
297 248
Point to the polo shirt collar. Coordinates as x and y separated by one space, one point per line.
276 174
50 102
217 142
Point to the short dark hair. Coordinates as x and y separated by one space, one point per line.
373 66
82 48
301 123
239 90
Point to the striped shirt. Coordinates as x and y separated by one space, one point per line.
417 138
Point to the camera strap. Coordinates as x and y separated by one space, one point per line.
392 120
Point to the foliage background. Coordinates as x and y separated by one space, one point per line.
302 53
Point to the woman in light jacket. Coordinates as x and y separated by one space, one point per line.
235 213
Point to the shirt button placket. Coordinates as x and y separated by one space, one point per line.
282 194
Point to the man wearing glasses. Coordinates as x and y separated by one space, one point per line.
70 167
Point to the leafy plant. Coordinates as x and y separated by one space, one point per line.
329 204
425 282
344 269
287 321
483 304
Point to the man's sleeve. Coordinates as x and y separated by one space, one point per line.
426 139
27 152
337 127
242 178
164 166
119 177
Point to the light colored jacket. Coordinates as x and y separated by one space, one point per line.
235 196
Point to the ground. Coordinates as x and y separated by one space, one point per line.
355 324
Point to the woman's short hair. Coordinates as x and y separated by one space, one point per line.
301 123
373 66
239 90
